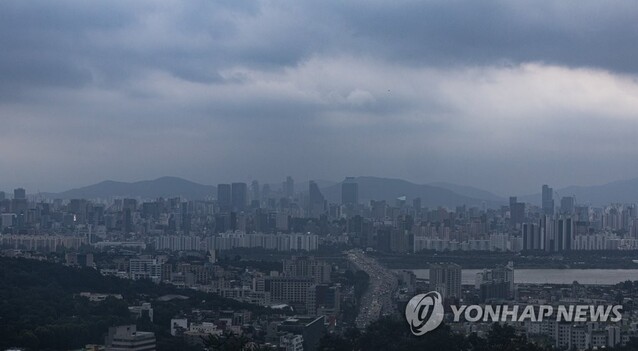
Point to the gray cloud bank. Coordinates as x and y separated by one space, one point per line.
498 94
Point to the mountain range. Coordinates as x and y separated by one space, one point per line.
148 189
389 189
622 191
370 188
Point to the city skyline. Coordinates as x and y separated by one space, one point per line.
495 95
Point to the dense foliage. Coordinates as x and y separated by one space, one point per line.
40 307
393 335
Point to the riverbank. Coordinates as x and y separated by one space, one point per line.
530 260
552 276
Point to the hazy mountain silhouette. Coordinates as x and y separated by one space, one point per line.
621 191
370 188
374 188
470 191
160 187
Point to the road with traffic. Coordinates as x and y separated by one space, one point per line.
378 299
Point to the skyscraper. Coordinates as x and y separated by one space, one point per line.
416 204
223 197
255 191
316 201
265 192
567 205
288 187
19 194
239 196
350 192
564 234
517 211
548 200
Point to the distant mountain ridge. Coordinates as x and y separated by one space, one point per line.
389 189
470 191
370 188
150 189
621 191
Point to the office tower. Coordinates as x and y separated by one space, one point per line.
265 192
316 201
567 205
517 211
548 200
239 196
254 190
350 192
288 187
416 204
446 279
2 195
582 212
378 209
19 206
223 197
19 194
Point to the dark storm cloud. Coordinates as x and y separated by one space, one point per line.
428 90
60 42
572 33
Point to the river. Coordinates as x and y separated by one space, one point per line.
552 276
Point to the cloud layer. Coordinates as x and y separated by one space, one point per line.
498 94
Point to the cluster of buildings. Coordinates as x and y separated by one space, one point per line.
177 241
279 332
253 216
304 284
496 287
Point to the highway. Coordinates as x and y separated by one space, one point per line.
378 299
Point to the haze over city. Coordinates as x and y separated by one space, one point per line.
504 96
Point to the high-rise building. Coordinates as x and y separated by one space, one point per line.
288 187
517 211
349 192
548 200
532 238
446 279
239 196
265 192
316 201
564 234
567 205
223 197
255 191
416 204
19 194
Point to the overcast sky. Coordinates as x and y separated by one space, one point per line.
502 95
